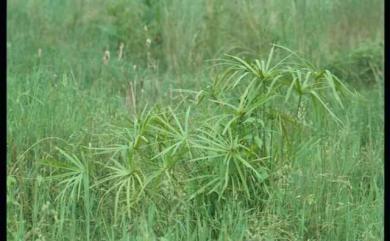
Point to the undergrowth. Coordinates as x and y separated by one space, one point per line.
127 121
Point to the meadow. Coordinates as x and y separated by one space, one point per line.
195 120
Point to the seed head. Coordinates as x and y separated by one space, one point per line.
148 42
120 54
106 57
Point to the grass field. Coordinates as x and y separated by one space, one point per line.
195 120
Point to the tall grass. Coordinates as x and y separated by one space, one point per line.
174 140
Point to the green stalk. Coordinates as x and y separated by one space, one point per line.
299 105
263 115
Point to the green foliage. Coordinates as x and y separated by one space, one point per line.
167 140
363 65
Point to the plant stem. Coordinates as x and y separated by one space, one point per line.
299 104
263 116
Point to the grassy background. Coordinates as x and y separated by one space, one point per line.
325 186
